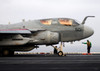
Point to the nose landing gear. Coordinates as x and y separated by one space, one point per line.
59 50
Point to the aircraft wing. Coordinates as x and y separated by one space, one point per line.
19 31
11 36
15 31
36 30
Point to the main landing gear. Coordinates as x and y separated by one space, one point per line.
6 52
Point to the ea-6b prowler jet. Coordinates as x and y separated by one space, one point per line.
25 36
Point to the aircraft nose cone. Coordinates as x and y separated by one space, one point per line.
88 31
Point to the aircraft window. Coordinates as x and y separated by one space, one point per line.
46 22
66 22
75 22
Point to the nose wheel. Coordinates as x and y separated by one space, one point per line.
59 50
60 53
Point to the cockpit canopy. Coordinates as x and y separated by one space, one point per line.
61 21
66 22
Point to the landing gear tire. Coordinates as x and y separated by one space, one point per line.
6 52
60 53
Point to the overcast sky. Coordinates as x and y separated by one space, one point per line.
15 10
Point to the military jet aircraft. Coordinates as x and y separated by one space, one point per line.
27 35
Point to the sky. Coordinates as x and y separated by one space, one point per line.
14 11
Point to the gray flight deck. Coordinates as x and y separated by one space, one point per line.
50 62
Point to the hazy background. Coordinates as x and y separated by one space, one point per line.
15 10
